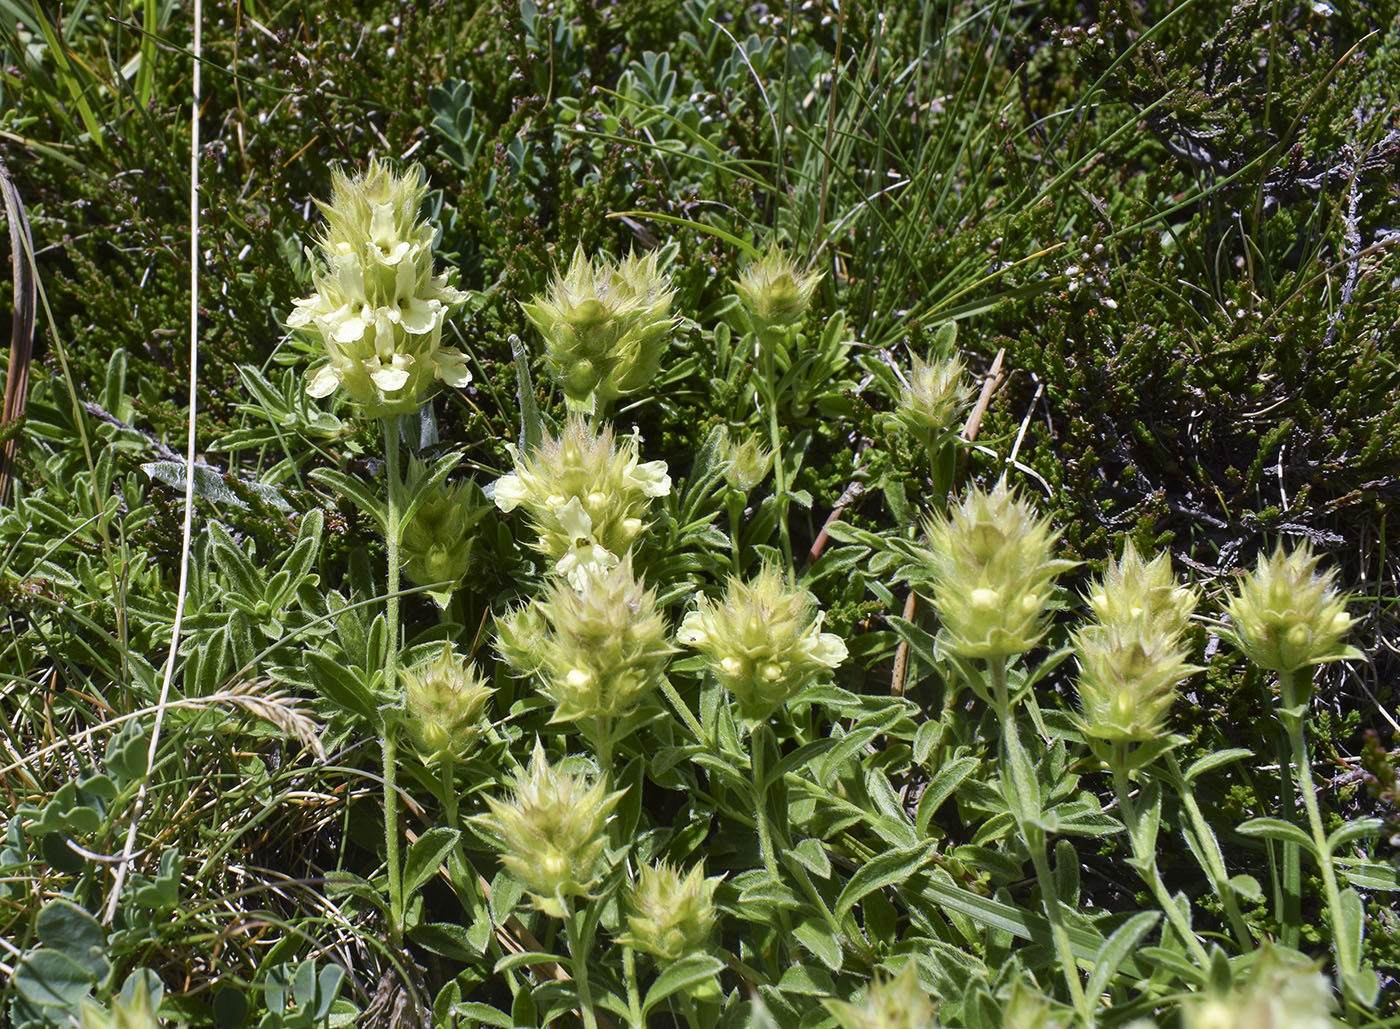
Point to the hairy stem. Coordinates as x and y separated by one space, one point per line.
1146 856
578 955
1021 793
1214 864
767 347
391 668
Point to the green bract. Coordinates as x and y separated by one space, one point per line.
774 291
1132 658
600 649
378 309
444 704
762 640
437 541
671 916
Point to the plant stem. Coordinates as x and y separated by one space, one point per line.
634 998
767 347
759 739
1348 963
578 955
388 746
1290 916
1214 865
735 506
1019 794
463 877
1146 856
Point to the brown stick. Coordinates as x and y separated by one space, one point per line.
21 330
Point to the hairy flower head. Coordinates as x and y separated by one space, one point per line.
444 704
991 564
552 831
1285 616
605 325
889 1003
1134 655
585 495
601 649
1279 995
378 309
932 402
746 464
774 291
437 540
762 640
671 915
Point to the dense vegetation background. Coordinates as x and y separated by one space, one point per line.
1166 234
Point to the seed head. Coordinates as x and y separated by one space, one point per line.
378 309
1285 616
585 496
763 641
552 831
992 567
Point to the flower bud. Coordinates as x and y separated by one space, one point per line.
774 291
1285 616
746 464
897 1003
763 641
1132 659
134 1008
444 705
552 831
992 567
671 917
584 495
931 405
378 309
437 542
1279 995
601 649
605 327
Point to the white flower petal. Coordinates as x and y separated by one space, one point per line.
452 367
389 379
322 382
692 630
583 562
348 328
574 521
510 491
419 316
651 478
829 649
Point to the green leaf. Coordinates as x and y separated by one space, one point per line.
811 855
50 978
942 786
1246 886
820 941
484 1013
1369 875
426 856
1116 950
1354 830
1278 829
1352 929
1185 970
1220 757
356 491
446 939
531 427
63 926
886 870
687 973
